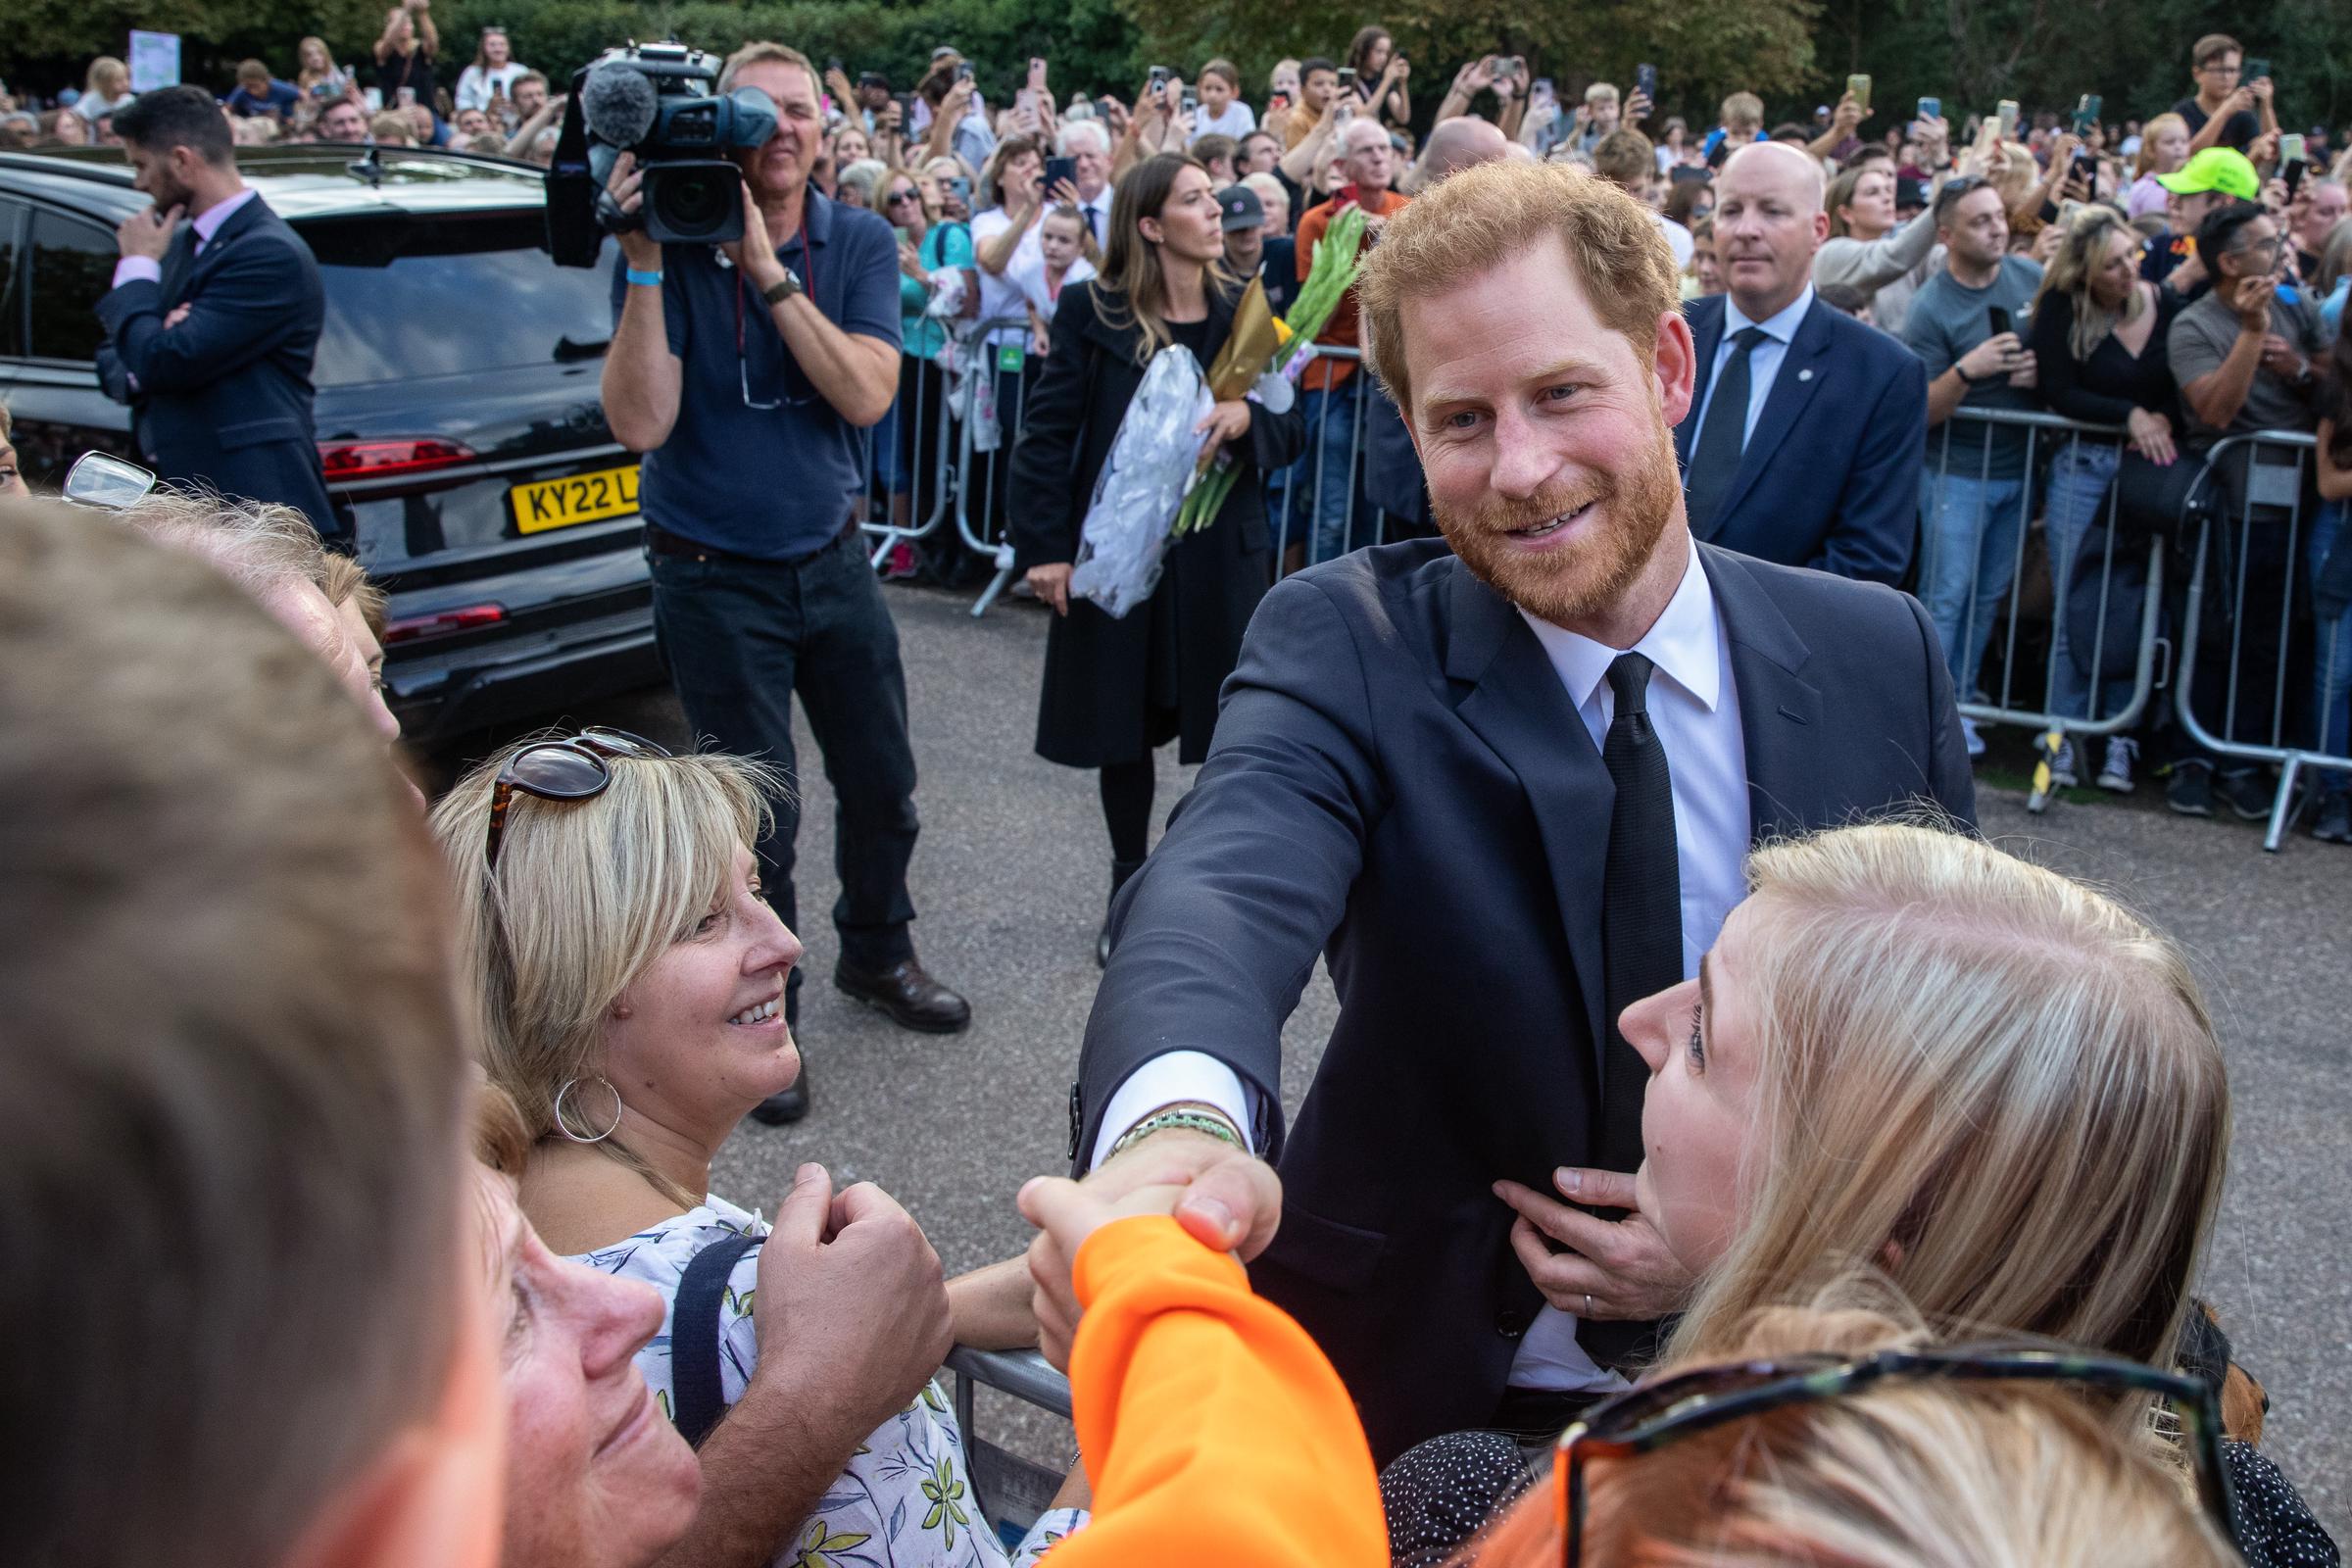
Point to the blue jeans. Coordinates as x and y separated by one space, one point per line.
1971 527
1327 504
2331 660
741 638
2081 474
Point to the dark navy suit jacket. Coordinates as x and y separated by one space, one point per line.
1830 479
1399 782
224 397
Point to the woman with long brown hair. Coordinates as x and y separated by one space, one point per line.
1116 690
1380 74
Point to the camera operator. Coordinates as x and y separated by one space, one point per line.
744 374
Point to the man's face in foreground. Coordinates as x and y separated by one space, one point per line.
1545 433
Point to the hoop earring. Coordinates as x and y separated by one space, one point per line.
563 1127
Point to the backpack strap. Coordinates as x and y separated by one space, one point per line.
697 1400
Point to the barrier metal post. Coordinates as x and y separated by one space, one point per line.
2083 719
1008 1488
2274 488
975 533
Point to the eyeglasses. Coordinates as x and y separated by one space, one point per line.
1644 1419
572 770
896 197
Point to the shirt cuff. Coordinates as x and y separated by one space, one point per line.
138 269
1179 1077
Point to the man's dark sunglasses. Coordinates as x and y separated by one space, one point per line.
570 770
1655 1415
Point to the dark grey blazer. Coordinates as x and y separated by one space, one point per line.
1399 781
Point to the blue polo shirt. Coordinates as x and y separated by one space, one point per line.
773 482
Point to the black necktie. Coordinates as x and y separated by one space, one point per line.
1094 224
1715 455
1642 901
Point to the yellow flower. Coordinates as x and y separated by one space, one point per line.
1282 332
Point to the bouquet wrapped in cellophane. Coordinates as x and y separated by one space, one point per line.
1161 480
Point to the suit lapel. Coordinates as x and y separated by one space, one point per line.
1779 712
1706 332
1518 707
1792 391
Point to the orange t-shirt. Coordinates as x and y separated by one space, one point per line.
1213 1429
1343 326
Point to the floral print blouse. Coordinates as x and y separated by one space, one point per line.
906 1500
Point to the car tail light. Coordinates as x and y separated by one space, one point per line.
345 460
409 628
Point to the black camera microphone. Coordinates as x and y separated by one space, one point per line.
618 103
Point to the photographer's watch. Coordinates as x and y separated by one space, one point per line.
782 289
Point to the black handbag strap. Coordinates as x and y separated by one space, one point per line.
697 1400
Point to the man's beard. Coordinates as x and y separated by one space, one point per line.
1573 580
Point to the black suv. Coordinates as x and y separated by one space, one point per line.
459 421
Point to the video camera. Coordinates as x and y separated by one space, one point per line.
657 101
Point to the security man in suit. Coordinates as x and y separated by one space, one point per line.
1806 429
1506 784
212 321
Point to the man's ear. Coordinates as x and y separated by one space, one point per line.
437 1492
1675 362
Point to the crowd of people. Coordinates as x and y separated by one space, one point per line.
1782 1117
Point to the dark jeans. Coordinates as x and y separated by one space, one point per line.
741 638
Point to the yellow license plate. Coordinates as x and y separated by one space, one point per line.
583 498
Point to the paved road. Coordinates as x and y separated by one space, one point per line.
1010 878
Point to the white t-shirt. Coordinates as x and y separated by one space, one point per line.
1003 296
475 84
1237 121
1028 274
1676 236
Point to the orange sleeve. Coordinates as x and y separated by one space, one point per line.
1213 1428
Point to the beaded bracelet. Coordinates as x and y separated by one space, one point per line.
1191 1121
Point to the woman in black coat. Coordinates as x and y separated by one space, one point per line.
1118 689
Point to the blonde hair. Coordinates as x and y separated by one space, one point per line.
2144 159
2070 271
347 580
1474 220
1992 1078
260 546
1927 1473
751 54
586 895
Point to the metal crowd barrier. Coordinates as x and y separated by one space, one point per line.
2249 556
1010 1490
1295 493
971 483
2066 703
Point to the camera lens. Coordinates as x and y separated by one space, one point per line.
694 201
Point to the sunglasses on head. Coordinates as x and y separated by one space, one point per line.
570 770
1656 1415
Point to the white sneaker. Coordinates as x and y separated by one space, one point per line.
1975 742
2062 768
2115 774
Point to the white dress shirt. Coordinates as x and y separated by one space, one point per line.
131 268
1694 707
1696 711
1763 360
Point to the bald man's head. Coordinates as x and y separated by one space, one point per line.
1778 161
1768 223
1371 162
1457 144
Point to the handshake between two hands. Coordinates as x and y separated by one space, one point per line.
1582 1263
